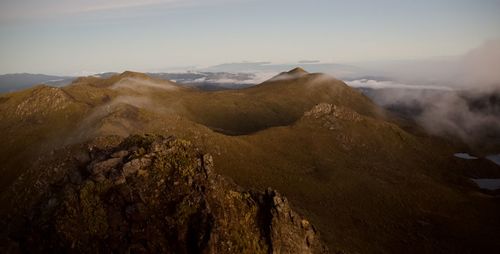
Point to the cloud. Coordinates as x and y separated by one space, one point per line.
309 61
120 116
97 5
469 116
481 66
223 78
14 10
451 115
269 69
454 97
141 84
375 84
476 69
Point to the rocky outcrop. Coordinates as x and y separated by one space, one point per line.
334 112
331 116
43 99
153 194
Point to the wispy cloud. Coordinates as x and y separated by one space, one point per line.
12 10
376 84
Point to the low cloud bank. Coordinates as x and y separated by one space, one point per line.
477 69
473 116
375 84
452 114
457 97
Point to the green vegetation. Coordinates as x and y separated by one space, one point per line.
93 213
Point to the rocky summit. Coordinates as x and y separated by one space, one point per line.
154 194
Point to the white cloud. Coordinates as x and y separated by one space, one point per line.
375 84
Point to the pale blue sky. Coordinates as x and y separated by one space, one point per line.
69 37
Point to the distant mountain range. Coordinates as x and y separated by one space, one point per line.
202 80
19 81
218 77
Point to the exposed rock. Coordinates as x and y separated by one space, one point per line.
290 233
332 116
42 100
104 166
135 165
120 154
161 195
338 112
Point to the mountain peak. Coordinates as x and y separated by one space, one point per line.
292 74
132 74
298 70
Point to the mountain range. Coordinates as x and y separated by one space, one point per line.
367 180
201 80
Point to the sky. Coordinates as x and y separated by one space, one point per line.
89 36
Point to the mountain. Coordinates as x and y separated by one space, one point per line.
364 180
342 71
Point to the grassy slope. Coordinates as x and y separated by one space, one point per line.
31 122
272 103
387 193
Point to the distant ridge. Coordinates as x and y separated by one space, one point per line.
133 74
298 70
292 74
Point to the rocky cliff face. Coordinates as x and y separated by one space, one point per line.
158 195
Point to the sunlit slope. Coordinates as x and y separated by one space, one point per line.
32 121
368 185
277 102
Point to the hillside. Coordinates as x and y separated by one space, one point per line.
365 182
